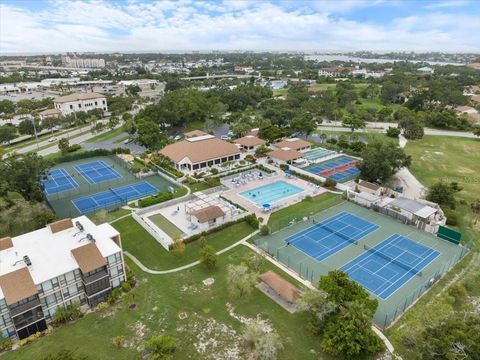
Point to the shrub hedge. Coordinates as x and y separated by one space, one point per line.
89 154
155 199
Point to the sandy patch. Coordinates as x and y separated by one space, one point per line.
266 326
213 340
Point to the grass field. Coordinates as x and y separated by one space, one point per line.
139 243
106 135
211 330
451 159
447 158
307 207
103 216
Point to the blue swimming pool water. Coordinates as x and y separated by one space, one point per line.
270 193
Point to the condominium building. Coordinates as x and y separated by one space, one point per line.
87 63
80 102
69 261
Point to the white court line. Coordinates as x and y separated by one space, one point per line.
340 245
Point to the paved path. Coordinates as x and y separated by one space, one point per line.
383 126
412 188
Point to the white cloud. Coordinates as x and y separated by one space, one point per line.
97 25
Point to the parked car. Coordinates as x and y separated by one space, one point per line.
127 141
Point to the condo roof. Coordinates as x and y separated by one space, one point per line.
17 285
199 149
88 257
49 248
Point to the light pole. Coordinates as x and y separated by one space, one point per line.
35 132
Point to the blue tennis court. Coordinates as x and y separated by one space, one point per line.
114 196
340 169
58 180
97 171
331 235
386 267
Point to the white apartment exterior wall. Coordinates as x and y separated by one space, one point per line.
61 291
82 105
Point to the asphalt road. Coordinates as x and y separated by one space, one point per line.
383 126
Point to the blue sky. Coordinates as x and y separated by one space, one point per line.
153 25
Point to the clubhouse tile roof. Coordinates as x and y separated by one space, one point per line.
250 140
199 149
294 144
285 155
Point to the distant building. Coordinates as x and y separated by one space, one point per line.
80 102
247 69
337 71
474 66
425 70
87 63
67 262
470 112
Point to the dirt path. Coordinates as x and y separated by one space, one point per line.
412 188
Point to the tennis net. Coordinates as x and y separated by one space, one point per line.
337 232
392 260
117 195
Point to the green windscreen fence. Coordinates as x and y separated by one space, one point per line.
449 234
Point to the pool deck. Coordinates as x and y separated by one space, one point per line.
233 194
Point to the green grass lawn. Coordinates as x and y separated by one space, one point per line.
194 125
105 136
103 216
451 159
447 158
202 186
144 247
307 207
160 300
166 225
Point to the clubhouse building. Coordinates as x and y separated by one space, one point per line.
197 153
68 261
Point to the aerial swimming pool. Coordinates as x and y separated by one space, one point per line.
270 193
